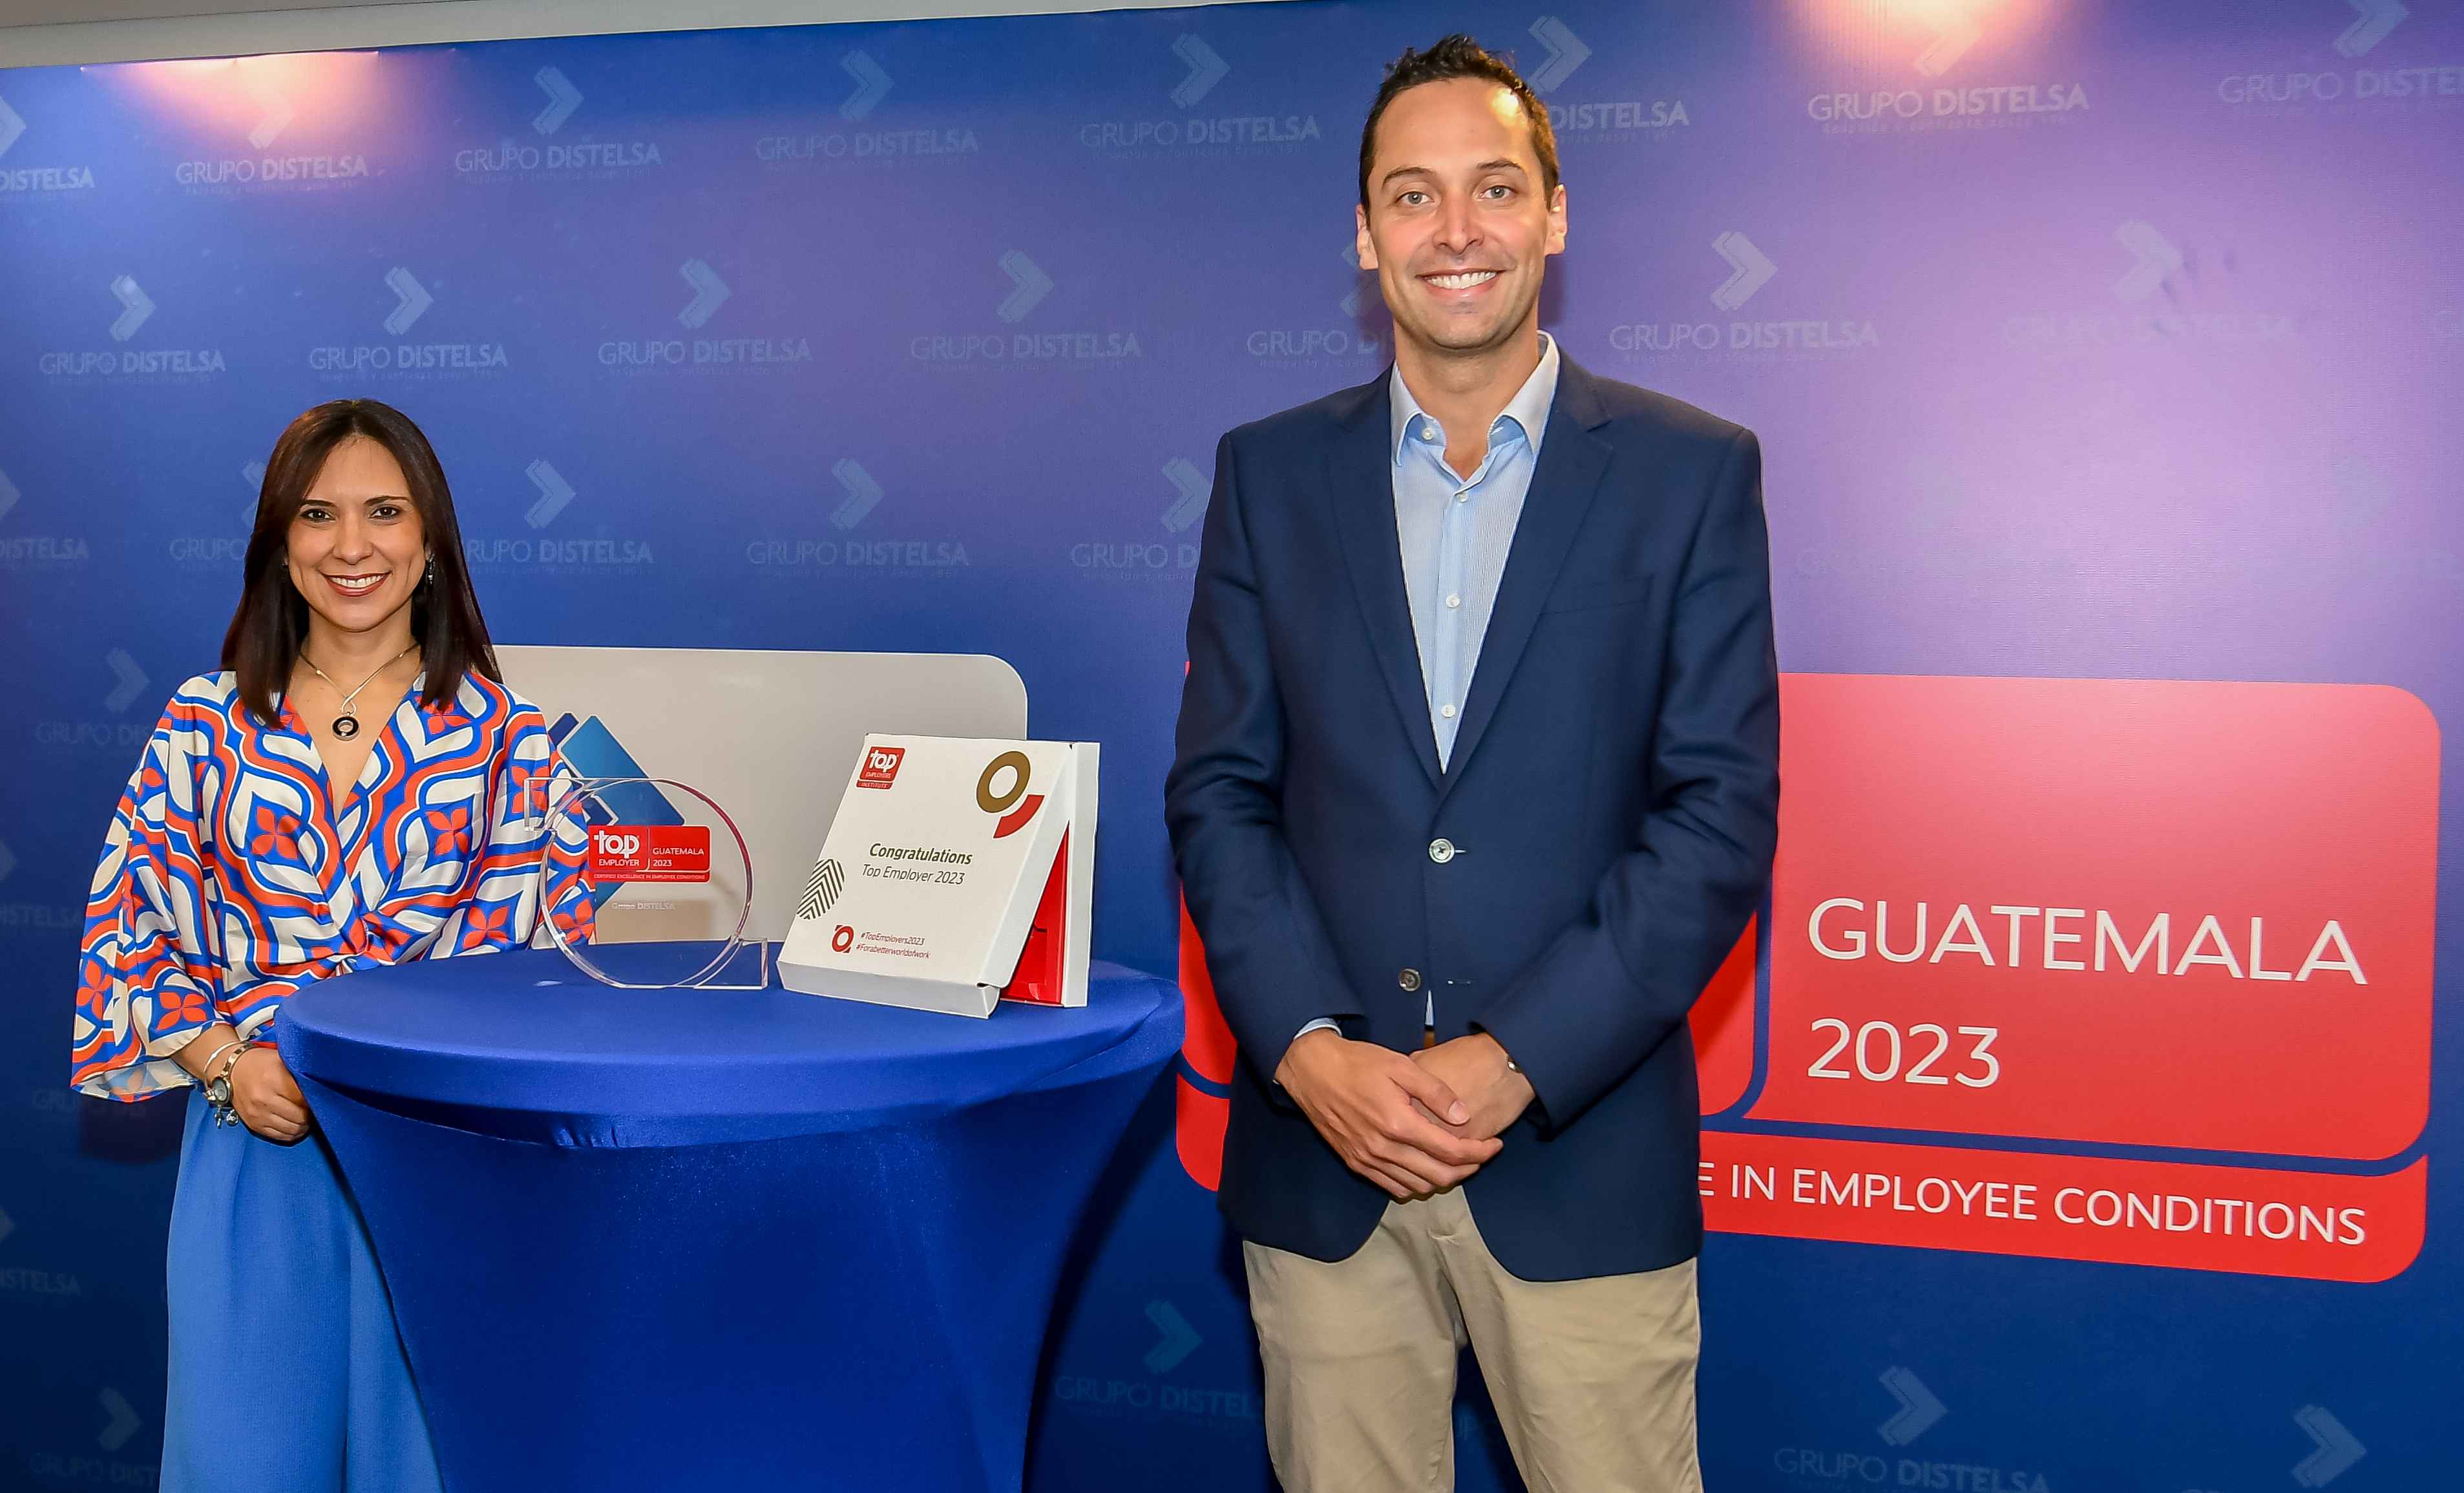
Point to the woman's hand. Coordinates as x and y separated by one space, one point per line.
266 1098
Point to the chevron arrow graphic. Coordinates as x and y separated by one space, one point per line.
124 1422
9 494
1031 282
563 99
1191 505
132 681
11 126
862 492
2156 257
2378 17
1750 269
553 492
2337 1450
278 116
1918 1410
710 293
134 307
1205 71
872 85
1350 301
253 475
1566 52
1179 1339
1953 33
412 300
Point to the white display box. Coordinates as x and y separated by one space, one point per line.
957 871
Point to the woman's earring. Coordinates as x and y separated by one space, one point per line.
429 580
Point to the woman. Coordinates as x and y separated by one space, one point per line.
356 788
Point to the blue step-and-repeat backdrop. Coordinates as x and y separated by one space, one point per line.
2087 340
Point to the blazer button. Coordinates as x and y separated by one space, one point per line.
1442 851
1409 979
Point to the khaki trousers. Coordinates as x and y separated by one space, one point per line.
1593 1380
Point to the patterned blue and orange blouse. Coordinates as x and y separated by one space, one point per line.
230 877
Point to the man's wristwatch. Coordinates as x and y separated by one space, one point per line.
218 1090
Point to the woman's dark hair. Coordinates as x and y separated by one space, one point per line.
1459 57
263 643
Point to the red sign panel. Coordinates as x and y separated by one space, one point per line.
1723 1023
2191 916
2255 1222
650 852
2140 912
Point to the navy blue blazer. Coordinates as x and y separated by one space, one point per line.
1612 802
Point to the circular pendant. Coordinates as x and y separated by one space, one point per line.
346 726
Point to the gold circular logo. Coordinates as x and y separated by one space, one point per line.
990 802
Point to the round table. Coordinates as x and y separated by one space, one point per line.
681 1239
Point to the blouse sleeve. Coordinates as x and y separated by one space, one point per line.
147 973
531 859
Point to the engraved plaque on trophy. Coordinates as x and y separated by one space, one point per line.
663 864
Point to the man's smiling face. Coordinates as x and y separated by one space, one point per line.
1459 219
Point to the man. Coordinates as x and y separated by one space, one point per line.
1477 783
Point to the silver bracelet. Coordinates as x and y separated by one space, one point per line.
218 1090
207 1067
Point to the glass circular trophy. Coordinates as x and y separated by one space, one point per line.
669 884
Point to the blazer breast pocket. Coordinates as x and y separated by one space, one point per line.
1631 591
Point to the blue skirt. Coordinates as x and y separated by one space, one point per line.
287 1375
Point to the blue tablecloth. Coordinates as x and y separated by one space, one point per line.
700 1240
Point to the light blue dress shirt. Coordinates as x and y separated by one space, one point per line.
1456 533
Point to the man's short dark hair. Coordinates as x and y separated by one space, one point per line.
1459 57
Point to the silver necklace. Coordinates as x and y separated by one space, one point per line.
346 725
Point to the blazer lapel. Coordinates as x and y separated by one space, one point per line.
1572 463
1362 475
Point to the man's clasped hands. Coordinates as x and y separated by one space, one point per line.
1413 1124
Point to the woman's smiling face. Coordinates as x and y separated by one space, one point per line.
357 548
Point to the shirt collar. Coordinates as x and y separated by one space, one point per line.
1529 408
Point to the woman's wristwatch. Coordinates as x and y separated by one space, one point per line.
218 1088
